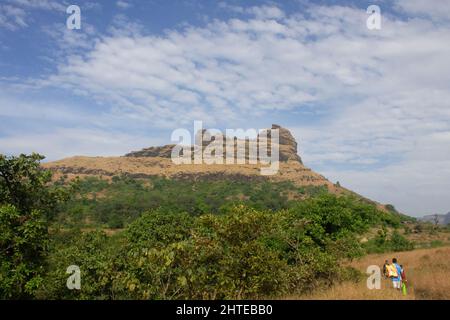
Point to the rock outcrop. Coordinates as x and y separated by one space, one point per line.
287 146
163 152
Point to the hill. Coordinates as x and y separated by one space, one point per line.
442 219
156 162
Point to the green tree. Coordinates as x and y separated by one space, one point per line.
23 241
27 200
27 187
400 243
94 253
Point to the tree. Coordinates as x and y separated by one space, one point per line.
27 187
22 247
27 201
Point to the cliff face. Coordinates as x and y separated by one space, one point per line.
287 146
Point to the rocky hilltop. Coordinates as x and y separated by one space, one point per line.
156 161
287 145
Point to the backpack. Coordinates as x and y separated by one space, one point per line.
392 271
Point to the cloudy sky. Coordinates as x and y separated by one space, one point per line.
369 108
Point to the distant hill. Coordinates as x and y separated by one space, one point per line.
442 219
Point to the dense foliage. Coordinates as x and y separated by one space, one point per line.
27 201
116 203
245 253
174 239
383 242
239 252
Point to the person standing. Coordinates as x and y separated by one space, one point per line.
397 276
404 281
385 269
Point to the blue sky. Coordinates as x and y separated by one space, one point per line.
369 108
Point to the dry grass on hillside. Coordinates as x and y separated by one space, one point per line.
156 166
427 271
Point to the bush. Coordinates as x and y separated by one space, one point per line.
381 243
92 253
436 244
400 243
157 228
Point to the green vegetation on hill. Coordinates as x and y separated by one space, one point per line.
117 203
180 239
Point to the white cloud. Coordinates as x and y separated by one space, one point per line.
266 12
40 4
15 13
58 130
123 4
122 26
436 9
82 141
12 18
259 12
262 63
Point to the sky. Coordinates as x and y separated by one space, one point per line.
369 108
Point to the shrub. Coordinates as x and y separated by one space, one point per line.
400 243
157 228
381 243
